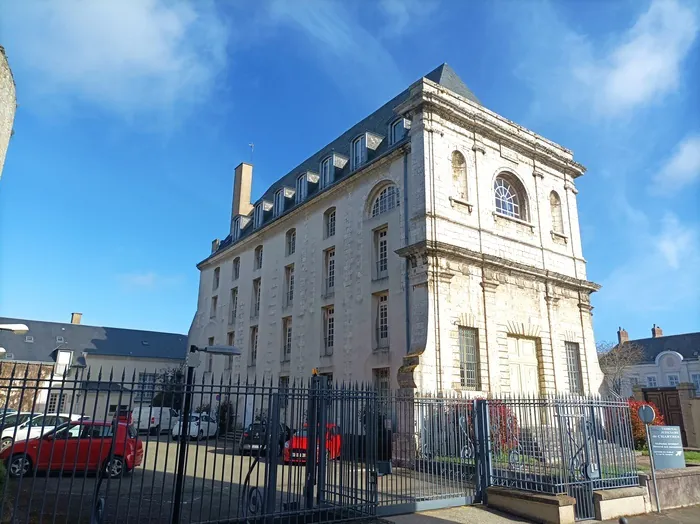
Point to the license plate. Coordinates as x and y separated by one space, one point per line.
298 455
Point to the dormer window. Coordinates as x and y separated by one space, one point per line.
301 188
279 202
326 172
258 215
398 130
359 151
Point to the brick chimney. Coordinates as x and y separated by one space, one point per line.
656 331
242 186
622 336
75 318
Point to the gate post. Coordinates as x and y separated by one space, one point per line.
483 449
322 407
311 437
272 452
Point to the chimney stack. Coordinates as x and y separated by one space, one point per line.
242 186
622 336
656 331
75 318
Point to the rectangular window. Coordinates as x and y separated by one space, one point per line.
328 330
255 311
381 240
301 189
330 270
651 381
469 358
330 223
233 306
236 228
229 358
279 203
229 338
695 378
326 171
236 268
147 387
291 242
60 340
673 379
210 363
253 345
289 285
286 338
210 341
258 215
214 304
380 377
258 257
382 321
215 284
63 361
398 130
573 366
358 152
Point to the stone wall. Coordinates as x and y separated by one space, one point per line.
8 105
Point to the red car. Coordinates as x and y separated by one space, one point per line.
295 449
77 446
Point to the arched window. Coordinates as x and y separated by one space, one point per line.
555 209
459 174
386 200
329 223
510 198
257 263
291 241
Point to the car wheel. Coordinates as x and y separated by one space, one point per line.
6 443
201 435
19 466
156 430
116 467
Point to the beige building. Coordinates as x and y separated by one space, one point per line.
8 106
434 244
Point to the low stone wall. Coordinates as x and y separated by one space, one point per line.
613 503
537 507
677 488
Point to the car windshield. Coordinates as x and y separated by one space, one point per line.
256 427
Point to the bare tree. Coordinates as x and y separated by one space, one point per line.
21 384
615 360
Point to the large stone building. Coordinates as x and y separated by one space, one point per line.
8 105
434 244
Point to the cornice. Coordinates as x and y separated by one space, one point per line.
491 125
442 249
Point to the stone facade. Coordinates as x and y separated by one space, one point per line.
8 105
457 267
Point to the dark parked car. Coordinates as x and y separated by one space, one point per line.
255 436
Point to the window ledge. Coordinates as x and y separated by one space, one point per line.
459 201
559 236
497 215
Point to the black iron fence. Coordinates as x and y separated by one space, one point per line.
178 448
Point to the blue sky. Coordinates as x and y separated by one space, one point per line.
133 115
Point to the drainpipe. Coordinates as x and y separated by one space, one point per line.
406 261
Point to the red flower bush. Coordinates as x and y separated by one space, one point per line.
638 430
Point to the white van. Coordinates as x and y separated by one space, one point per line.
154 419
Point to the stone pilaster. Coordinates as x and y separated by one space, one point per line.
499 372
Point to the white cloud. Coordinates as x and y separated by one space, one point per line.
682 168
350 52
402 14
127 56
147 280
605 78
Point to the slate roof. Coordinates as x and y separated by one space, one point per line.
377 123
687 344
92 339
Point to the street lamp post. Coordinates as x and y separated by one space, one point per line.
192 362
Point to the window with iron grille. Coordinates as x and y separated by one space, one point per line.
381 248
217 273
573 366
233 306
289 285
236 268
291 241
253 345
256 298
329 219
329 330
382 321
56 403
330 270
469 358
286 338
